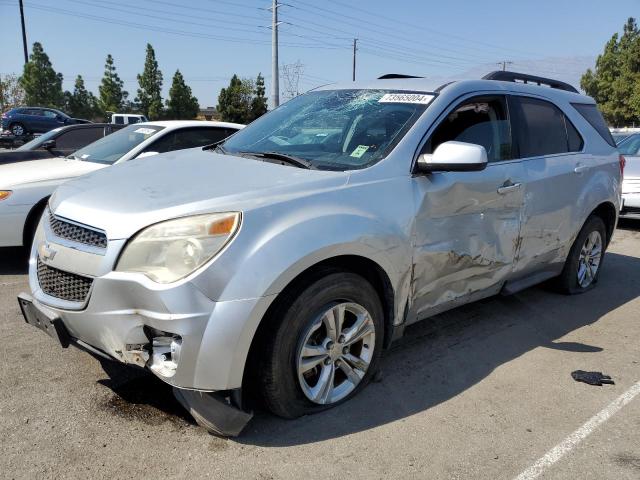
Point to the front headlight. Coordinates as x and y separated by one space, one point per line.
171 250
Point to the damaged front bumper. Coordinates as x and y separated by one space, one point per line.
220 412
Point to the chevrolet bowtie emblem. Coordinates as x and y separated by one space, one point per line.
46 252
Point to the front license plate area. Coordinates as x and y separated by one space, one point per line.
52 326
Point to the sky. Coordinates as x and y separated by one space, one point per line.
210 40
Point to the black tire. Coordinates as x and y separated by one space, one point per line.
567 282
14 127
277 376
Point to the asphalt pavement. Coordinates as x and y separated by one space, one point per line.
483 391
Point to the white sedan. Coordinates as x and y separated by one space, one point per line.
25 187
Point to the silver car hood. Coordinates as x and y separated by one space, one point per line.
127 197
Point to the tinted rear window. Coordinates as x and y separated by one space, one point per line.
592 115
575 140
541 128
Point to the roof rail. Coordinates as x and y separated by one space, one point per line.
390 76
506 76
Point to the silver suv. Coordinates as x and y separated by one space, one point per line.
284 260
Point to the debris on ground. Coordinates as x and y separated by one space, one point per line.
592 378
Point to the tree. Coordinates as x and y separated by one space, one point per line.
259 102
41 84
112 95
149 94
181 105
81 103
615 83
11 93
234 102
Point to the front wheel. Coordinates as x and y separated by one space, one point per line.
585 258
325 347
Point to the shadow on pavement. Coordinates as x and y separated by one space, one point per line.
631 224
435 361
141 395
13 261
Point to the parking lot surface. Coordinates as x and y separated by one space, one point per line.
483 391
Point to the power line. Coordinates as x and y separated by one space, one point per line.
381 29
387 44
141 26
423 28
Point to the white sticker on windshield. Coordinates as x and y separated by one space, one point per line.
86 155
145 131
422 98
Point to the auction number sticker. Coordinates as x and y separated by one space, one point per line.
422 98
145 131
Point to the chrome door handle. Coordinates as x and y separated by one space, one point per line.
581 168
508 188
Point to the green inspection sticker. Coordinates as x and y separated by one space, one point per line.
359 151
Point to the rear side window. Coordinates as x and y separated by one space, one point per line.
540 128
75 139
592 115
119 120
575 140
188 138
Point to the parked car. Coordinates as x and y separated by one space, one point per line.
25 187
619 137
127 118
630 148
286 258
59 142
24 120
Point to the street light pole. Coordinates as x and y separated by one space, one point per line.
24 34
355 48
275 75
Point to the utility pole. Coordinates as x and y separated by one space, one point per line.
355 48
275 75
24 34
504 64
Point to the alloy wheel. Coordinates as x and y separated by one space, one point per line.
589 260
335 352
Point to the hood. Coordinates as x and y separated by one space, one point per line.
20 173
13 156
127 197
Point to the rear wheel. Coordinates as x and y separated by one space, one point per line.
585 258
325 347
18 129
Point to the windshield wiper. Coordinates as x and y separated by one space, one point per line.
216 146
283 157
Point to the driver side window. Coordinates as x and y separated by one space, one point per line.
481 121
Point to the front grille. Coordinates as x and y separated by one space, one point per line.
76 233
63 285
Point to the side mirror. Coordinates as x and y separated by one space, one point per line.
147 154
453 157
49 144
